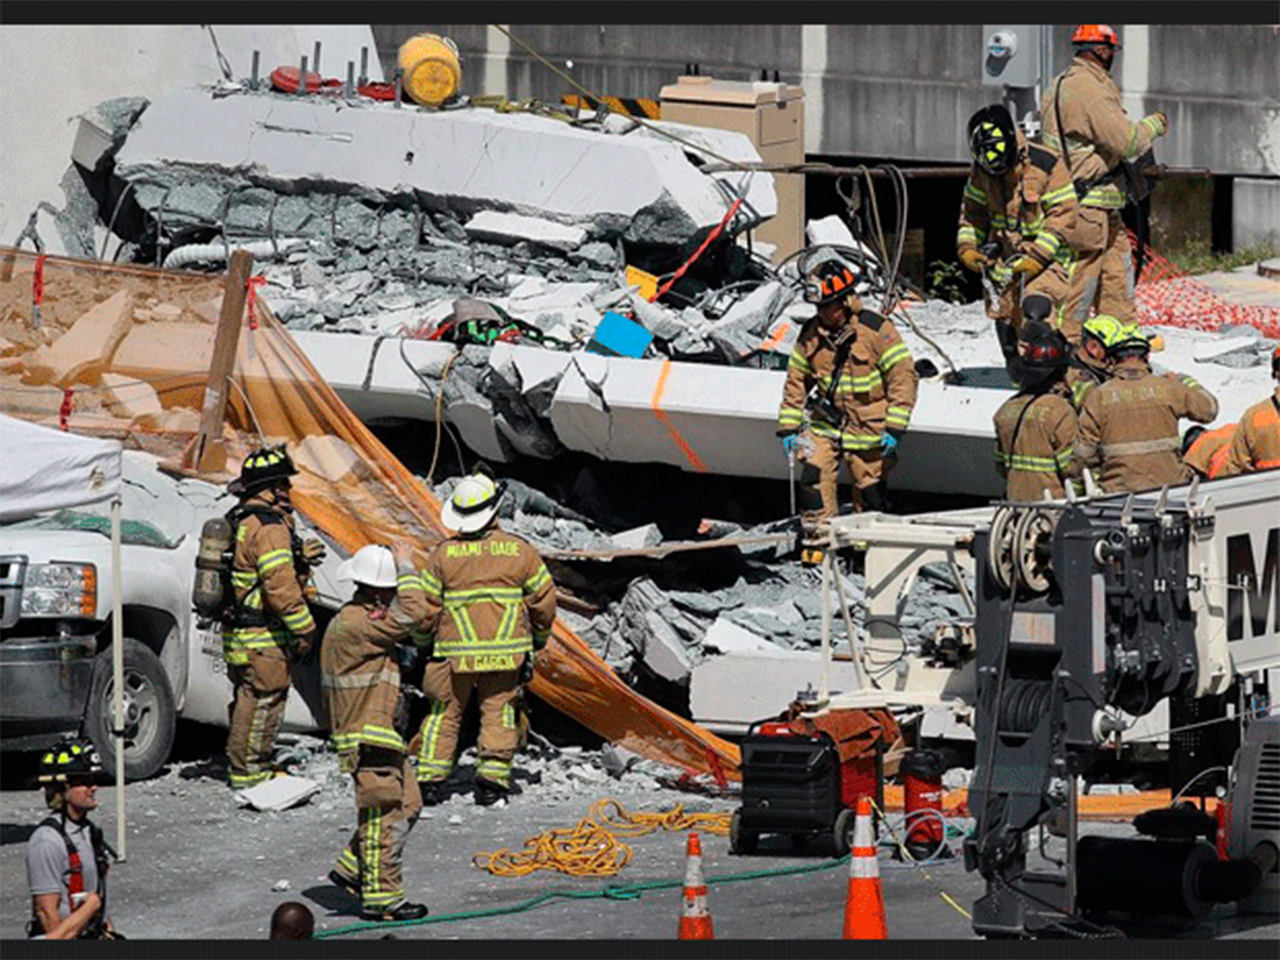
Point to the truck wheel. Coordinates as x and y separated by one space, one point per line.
741 840
842 832
149 714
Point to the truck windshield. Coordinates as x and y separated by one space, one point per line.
136 532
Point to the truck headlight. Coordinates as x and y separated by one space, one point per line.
60 590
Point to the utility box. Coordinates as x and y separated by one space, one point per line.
771 115
1011 56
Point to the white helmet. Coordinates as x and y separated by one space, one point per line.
473 504
373 565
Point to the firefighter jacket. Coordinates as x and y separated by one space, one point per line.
1082 376
1129 426
1256 444
1099 134
1035 437
489 600
1208 453
269 610
359 669
874 392
1030 209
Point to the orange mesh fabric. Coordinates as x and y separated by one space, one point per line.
136 366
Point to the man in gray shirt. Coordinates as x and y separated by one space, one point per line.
66 854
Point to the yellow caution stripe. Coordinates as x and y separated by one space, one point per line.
627 106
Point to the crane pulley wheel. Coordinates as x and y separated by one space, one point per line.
1031 539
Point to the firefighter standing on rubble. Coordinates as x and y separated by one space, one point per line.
1036 428
1256 444
361 677
1016 217
269 624
490 607
853 378
1086 124
1129 425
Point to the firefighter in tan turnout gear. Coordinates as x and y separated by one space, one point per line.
1129 425
1256 444
1036 428
1016 218
361 677
851 378
1085 123
269 624
490 607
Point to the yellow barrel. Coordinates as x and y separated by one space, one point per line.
431 68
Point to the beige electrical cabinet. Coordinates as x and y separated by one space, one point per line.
772 116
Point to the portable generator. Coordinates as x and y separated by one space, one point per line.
796 784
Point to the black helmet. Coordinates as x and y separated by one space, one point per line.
261 468
831 278
1189 438
993 143
1131 342
1043 355
71 757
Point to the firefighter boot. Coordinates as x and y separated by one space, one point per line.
399 914
434 792
488 793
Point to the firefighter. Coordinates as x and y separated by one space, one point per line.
1256 444
1016 217
1089 364
361 678
269 624
851 376
1129 425
1206 451
1036 428
1084 103
490 607
67 856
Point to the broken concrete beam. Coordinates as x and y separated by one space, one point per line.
79 355
511 227
726 636
648 622
129 398
643 188
531 371
638 538
728 693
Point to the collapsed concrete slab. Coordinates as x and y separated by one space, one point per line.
728 693
190 150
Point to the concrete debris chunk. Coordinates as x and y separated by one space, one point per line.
647 622
79 354
128 398
509 227
637 538
279 793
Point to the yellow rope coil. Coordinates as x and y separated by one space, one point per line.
592 848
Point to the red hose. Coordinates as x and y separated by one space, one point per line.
719 228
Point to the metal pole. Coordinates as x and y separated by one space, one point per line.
117 671
302 77
315 61
364 65
399 86
350 89
253 78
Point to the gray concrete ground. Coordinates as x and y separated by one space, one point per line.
200 868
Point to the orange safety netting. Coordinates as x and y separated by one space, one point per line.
135 366
1169 296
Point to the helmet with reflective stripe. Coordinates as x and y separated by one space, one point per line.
71 758
1103 328
261 468
1043 355
1095 33
474 503
830 278
1129 342
993 142
372 565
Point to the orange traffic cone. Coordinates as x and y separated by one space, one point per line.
695 922
864 903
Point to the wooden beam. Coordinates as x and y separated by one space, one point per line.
206 452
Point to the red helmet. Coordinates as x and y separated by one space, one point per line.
1095 33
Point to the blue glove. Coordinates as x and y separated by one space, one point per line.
790 442
889 445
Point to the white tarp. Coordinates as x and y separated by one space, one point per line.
46 469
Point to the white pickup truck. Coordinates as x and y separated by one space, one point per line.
55 624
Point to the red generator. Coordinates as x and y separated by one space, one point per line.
795 784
